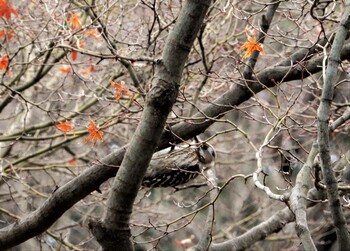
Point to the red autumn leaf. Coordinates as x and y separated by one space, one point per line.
65 127
6 34
4 61
120 89
251 46
74 21
6 9
95 133
91 69
74 54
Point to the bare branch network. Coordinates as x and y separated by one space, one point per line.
174 125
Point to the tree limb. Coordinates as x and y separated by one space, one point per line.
298 202
272 225
330 76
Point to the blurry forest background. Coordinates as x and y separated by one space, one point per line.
67 64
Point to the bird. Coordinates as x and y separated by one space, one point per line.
179 165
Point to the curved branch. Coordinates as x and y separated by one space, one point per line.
298 201
272 225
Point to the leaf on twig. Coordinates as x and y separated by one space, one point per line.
72 162
185 243
74 21
74 53
251 46
120 89
65 69
4 61
7 34
95 133
6 9
87 71
93 33
65 127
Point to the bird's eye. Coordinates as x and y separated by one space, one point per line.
204 147
201 159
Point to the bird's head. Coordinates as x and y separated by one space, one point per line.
206 153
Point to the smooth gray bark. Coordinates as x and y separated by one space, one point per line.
113 231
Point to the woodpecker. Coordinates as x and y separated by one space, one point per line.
178 166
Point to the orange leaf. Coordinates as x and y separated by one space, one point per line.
251 46
84 72
80 44
4 61
74 53
6 9
185 243
120 89
95 133
93 33
72 162
92 69
65 69
74 21
65 127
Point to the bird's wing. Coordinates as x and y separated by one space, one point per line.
178 160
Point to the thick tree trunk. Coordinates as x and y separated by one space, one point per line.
113 231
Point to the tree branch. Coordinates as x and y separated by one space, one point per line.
330 78
298 202
272 225
90 180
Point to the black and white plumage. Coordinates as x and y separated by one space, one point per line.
178 166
